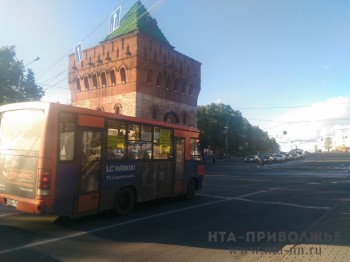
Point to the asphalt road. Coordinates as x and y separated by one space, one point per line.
293 211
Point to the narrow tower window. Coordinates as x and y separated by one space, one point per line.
112 76
86 83
77 83
159 80
103 79
123 75
149 77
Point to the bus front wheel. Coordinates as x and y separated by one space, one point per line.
191 189
124 201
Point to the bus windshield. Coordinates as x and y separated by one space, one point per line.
21 130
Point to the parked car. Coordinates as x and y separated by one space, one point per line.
296 156
288 156
278 157
266 159
252 159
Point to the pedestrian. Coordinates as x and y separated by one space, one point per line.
213 158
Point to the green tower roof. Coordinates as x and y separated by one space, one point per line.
137 19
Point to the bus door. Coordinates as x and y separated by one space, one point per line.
89 170
179 167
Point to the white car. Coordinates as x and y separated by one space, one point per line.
278 157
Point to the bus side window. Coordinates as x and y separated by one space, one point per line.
140 142
162 146
116 140
66 136
146 139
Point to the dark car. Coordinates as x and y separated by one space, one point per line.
252 159
266 159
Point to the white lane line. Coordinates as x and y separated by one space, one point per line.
282 204
254 193
82 233
10 214
242 198
268 190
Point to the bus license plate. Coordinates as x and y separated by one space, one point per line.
11 202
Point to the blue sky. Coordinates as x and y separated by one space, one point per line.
266 58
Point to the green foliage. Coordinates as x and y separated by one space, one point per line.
17 84
218 122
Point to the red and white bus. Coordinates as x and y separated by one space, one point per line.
70 161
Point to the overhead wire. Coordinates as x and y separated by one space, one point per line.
53 77
54 86
66 78
282 107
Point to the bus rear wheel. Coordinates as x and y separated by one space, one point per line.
124 201
191 189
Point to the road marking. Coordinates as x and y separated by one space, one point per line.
82 233
254 193
10 214
242 198
282 204
216 177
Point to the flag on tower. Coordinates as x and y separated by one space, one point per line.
78 53
114 19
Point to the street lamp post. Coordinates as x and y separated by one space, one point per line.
226 142
22 71
21 77
35 59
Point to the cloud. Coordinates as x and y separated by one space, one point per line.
306 125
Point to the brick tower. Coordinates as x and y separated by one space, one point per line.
136 72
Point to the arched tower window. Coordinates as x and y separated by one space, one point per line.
112 77
123 75
103 79
154 112
77 84
176 84
100 108
171 117
118 109
183 88
159 80
86 83
94 81
168 82
149 77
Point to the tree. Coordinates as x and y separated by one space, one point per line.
223 128
216 122
328 143
17 84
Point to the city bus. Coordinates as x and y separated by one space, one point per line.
70 161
